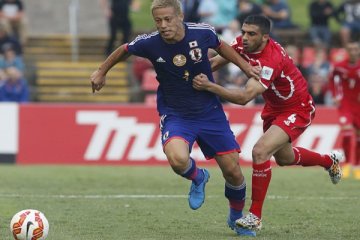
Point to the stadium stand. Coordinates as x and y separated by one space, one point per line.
57 78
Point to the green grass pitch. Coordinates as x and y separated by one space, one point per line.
112 202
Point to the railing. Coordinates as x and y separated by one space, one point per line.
73 29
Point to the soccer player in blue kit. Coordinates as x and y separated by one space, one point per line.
179 52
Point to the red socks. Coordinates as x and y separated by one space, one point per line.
349 145
357 155
307 158
260 182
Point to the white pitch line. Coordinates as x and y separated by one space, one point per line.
160 196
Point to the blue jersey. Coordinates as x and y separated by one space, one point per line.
176 65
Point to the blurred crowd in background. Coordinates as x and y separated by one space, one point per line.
314 59
13 85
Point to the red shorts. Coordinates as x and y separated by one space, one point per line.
293 121
349 117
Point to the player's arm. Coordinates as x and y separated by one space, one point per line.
227 52
239 96
217 62
98 77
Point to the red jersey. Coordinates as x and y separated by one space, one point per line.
286 88
345 84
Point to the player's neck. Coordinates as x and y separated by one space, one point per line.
179 35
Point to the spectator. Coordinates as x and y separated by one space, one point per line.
320 11
227 12
5 39
12 15
190 9
294 53
321 64
10 59
15 87
247 8
229 74
348 14
3 77
279 13
318 75
317 89
208 10
117 14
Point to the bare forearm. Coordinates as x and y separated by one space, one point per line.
217 62
120 54
237 96
231 55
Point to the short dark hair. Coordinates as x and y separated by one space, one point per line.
261 21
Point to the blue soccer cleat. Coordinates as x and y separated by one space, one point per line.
239 230
197 193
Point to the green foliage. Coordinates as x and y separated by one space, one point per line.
300 13
142 19
138 203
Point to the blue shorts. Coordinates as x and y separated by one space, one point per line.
212 132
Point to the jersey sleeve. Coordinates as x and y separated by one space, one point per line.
214 40
138 46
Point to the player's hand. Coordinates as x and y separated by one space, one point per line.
201 82
253 72
97 80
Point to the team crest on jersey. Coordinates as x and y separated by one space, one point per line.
196 54
266 72
179 60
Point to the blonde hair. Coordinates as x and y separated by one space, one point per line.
167 3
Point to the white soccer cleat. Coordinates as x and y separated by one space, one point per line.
250 221
335 171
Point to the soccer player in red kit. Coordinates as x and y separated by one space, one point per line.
288 111
345 86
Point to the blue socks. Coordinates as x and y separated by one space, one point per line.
193 173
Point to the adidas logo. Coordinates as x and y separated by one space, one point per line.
160 59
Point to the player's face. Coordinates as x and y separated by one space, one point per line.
353 49
169 24
253 39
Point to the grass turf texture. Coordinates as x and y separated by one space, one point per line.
94 203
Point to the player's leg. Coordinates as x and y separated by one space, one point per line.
177 139
177 153
293 125
235 189
112 24
216 140
126 27
272 140
348 141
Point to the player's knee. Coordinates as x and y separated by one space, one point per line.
281 163
233 174
178 161
258 154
